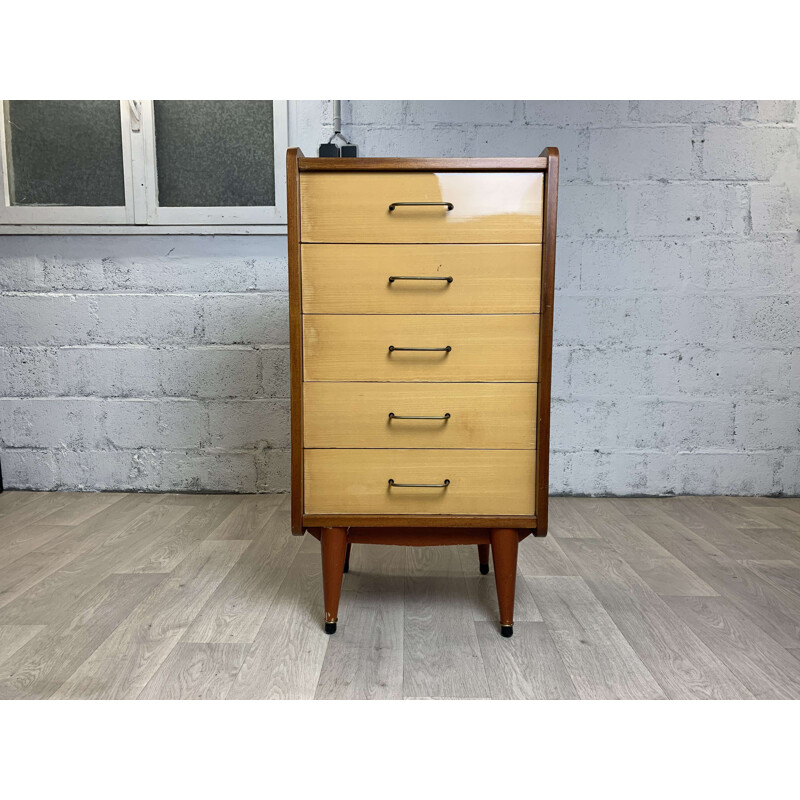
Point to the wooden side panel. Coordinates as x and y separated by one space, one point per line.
546 340
489 347
490 207
482 415
481 482
485 279
295 334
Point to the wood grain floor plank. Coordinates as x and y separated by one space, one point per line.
757 660
483 592
566 522
364 660
683 666
776 611
27 571
122 666
717 531
626 534
249 515
780 515
236 609
599 660
635 506
28 513
24 573
670 577
442 654
731 510
778 543
285 660
656 566
783 574
643 597
84 505
196 671
28 538
39 667
11 499
12 637
180 539
46 601
527 666
542 557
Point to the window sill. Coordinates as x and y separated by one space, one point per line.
148 230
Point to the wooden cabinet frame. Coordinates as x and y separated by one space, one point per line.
337 532
547 163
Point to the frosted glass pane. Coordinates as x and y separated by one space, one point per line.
65 153
214 153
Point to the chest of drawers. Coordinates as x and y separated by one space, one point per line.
421 314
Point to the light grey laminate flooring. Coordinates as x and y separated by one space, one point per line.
123 596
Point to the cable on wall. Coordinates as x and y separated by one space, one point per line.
333 150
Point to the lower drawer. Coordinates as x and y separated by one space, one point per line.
479 482
498 416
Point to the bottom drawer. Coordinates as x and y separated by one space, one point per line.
480 482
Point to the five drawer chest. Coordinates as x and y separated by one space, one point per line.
421 314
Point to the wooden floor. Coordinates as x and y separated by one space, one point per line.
209 596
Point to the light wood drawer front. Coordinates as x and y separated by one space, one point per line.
486 279
484 348
482 482
482 415
489 207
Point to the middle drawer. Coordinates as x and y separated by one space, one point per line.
499 416
441 347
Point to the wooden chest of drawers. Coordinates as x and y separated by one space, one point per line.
421 300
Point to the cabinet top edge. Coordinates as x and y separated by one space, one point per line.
422 164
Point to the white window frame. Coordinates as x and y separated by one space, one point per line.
141 212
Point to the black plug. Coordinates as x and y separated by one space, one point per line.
349 150
329 150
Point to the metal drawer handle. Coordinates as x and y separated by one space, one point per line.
420 485
392 415
393 278
393 206
447 349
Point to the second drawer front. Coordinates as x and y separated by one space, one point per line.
486 279
482 482
481 415
484 348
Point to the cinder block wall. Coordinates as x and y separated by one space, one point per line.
160 362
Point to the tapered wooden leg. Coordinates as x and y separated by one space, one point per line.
483 558
334 552
505 542
347 558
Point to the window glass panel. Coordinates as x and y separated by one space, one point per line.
65 152
214 153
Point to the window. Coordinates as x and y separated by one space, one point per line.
159 164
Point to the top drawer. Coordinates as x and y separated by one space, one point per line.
474 207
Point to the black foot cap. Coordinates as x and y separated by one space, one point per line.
330 627
484 569
346 568
505 630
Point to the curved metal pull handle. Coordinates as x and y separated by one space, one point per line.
420 485
393 278
447 349
392 415
393 206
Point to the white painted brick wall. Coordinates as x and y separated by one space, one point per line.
161 362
